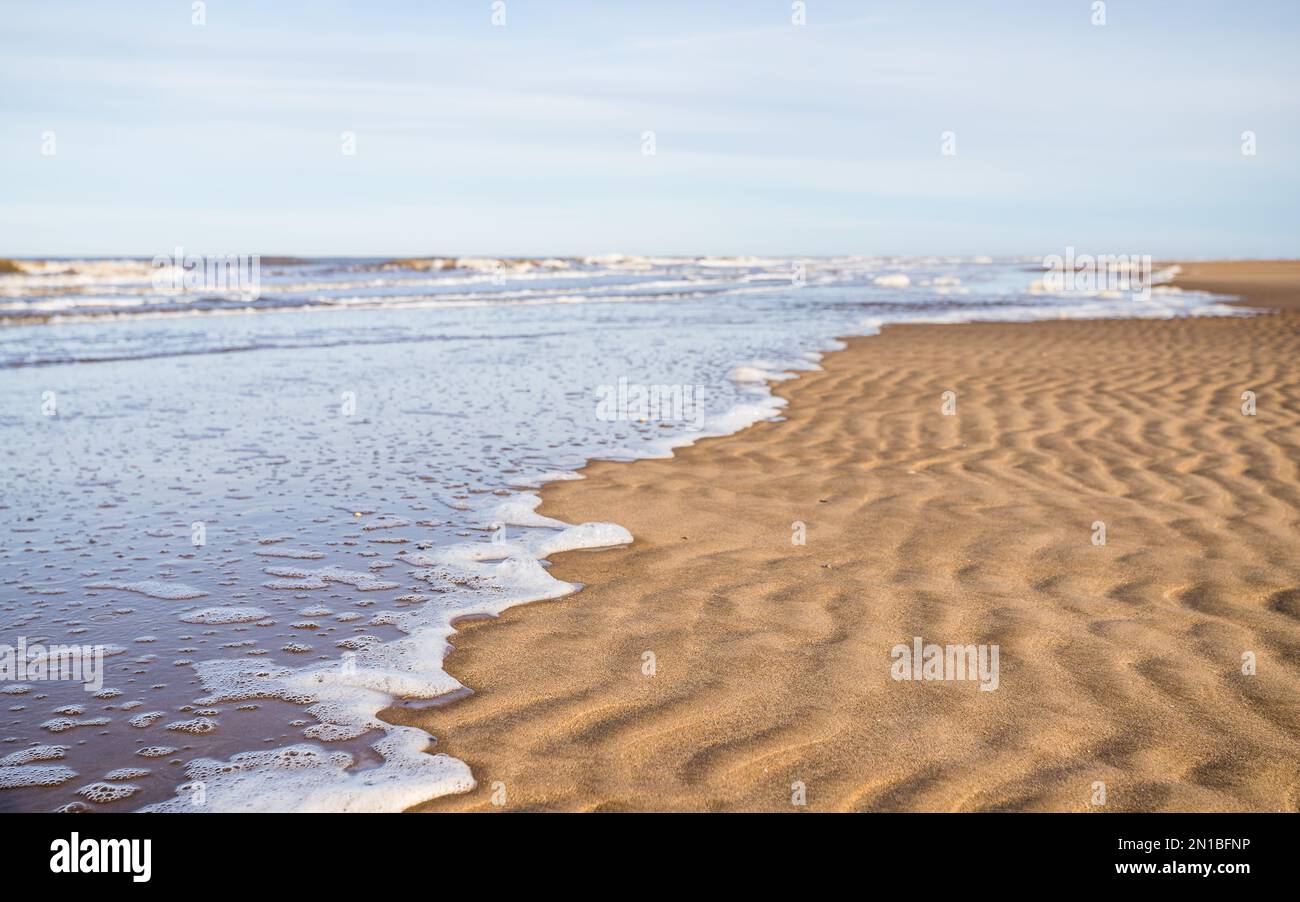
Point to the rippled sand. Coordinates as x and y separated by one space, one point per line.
1120 663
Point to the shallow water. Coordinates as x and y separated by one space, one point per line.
356 450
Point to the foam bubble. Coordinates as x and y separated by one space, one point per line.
218 616
127 773
23 775
345 698
157 751
295 583
102 793
33 754
63 724
305 554
519 510
762 371
385 523
316 579
147 719
168 591
311 779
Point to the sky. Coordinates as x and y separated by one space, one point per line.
528 138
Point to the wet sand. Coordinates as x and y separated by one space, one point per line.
1120 664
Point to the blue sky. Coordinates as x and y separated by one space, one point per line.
770 138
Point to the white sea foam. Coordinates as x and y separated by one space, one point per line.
154 589
305 554
345 697
294 578
157 751
127 773
894 280
519 510
224 615
385 523
147 719
63 724
21 775
309 778
103 793
33 754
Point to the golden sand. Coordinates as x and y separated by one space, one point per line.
1119 663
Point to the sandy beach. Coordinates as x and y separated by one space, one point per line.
1120 663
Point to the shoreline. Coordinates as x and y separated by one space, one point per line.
772 671
1266 284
